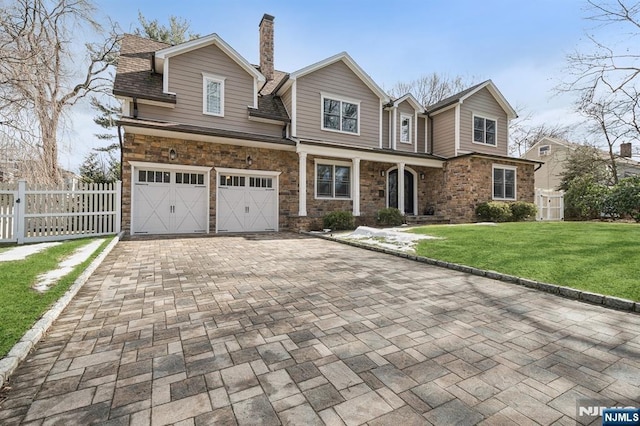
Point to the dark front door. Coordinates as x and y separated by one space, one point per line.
408 190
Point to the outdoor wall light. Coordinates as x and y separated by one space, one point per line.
172 154
249 160
382 173
421 175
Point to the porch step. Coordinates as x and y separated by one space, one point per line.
427 219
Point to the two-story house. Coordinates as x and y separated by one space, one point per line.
213 143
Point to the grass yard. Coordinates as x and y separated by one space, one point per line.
20 305
597 257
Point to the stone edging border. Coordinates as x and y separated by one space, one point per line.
567 292
20 350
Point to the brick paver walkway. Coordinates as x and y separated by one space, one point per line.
285 329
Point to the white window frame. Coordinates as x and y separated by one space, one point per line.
515 182
410 118
473 128
340 99
546 152
206 77
334 163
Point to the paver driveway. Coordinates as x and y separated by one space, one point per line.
269 329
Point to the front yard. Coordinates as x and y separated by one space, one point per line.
597 257
20 304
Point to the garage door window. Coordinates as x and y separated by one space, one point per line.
190 178
256 182
154 176
226 180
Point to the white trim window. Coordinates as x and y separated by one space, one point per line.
340 115
485 130
544 150
212 95
333 180
504 182
405 128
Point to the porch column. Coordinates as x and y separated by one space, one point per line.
401 188
356 186
302 184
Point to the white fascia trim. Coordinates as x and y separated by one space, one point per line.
364 155
246 172
206 41
440 111
165 78
394 135
164 166
294 110
415 131
390 141
126 99
412 100
325 95
411 130
217 79
349 62
380 126
457 130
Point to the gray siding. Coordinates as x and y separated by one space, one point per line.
386 140
339 80
548 175
421 135
286 100
444 142
185 79
485 105
405 108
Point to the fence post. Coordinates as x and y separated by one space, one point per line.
21 205
118 205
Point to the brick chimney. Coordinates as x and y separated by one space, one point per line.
266 46
625 150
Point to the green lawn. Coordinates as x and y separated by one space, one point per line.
597 257
20 305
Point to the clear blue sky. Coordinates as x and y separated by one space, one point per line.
520 45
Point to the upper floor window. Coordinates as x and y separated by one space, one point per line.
333 180
340 115
504 183
484 130
544 150
212 95
405 128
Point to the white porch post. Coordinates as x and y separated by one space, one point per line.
302 184
401 188
356 186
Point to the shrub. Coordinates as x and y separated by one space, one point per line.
389 217
522 210
624 199
494 211
585 198
338 221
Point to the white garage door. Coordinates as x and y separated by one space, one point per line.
247 203
169 201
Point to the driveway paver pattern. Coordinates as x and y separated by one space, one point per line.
286 329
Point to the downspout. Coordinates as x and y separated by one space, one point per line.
538 168
430 141
121 155
135 107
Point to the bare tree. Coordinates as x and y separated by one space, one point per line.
431 88
38 81
523 135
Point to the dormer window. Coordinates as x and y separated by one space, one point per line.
340 115
484 130
544 150
212 95
405 128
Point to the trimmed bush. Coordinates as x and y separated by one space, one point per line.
339 221
494 211
522 210
389 217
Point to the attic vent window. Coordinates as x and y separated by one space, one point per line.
544 150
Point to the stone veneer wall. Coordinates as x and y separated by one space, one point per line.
192 153
468 182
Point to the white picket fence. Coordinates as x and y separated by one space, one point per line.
31 213
550 205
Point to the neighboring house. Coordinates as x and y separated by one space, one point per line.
215 144
554 152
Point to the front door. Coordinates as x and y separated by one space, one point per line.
409 183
